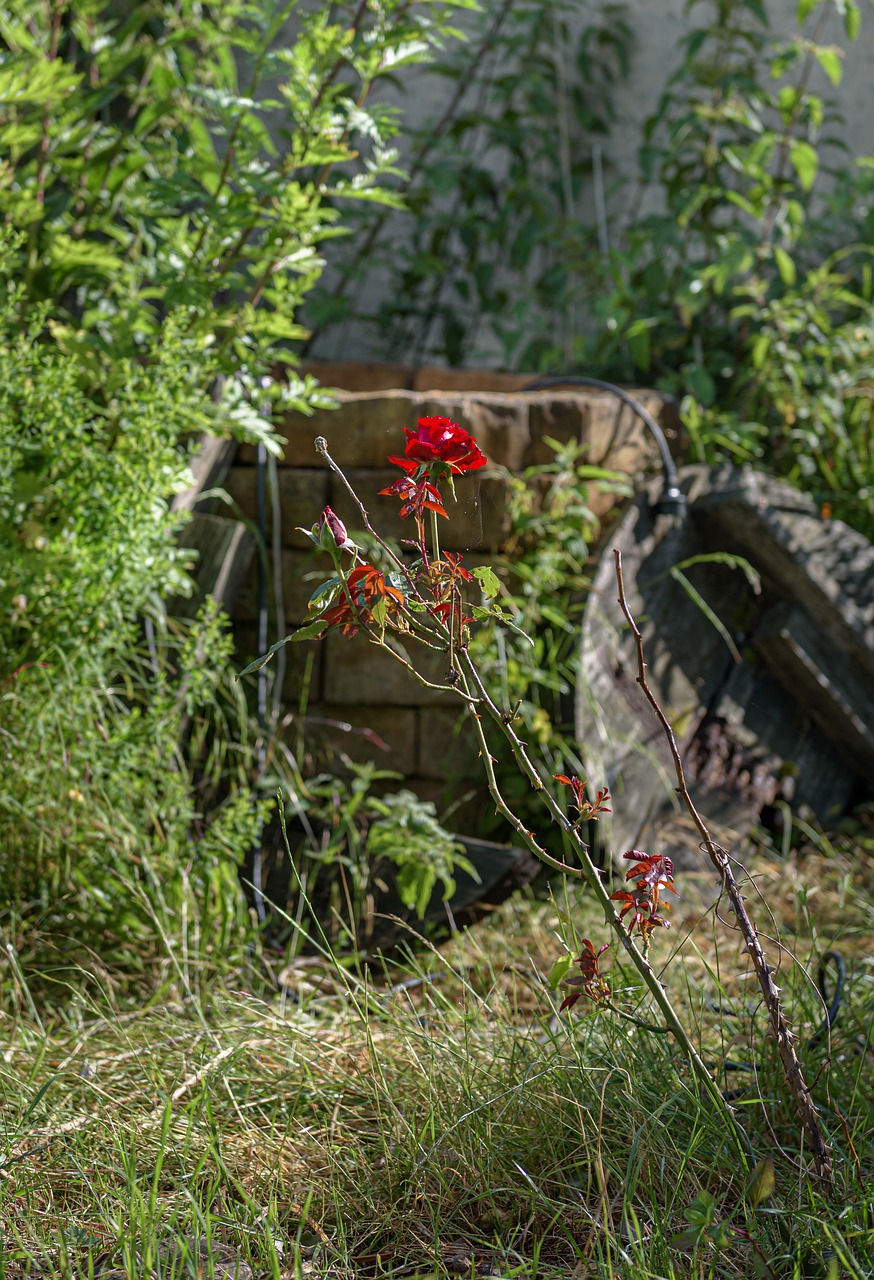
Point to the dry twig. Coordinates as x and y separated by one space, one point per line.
783 1034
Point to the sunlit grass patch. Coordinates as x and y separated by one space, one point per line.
436 1115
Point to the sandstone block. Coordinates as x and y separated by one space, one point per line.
460 807
615 436
360 375
429 378
358 672
301 571
385 736
479 520
302 497
561 417
447 747
302 664
361 432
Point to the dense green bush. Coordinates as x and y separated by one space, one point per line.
115 814
170 174
744 295
176 155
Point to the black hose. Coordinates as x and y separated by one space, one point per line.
261 497
672 500
833 1005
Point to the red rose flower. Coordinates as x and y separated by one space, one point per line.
439 440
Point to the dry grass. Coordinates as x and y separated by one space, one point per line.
439 1117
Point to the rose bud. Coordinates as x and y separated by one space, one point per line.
332 532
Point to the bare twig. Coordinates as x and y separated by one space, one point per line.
589 872
783 1034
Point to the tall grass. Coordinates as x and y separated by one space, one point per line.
438 1116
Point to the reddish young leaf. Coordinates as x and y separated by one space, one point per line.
651 874
593 983
415 497
368 588
585 808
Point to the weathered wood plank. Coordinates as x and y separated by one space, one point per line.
782 723
224 553
833 691
209 466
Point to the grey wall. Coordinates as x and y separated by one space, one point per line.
658 27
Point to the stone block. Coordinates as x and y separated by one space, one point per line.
478 520
301 571
298 665
302 497
358 672
562 417
384 736
447 746
360 375
498 423
469 381
615 436
460 807
361 432
304 676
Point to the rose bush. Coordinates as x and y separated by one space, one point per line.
423 599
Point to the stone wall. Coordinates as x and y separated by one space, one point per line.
388 717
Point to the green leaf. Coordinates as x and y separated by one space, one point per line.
492 613
700 382
805 9
558 971
731 561
696 597
852 20
415 883
264 659
324 593
829 59
72 254
488 580
308 632
805 162
640 344
785 266
760 1185
759 349
688 1239
379 612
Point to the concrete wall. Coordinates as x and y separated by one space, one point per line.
658 27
